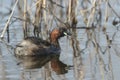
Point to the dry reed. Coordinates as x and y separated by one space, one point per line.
47 14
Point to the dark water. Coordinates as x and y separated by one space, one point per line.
87 55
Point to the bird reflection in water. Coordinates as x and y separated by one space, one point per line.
34 62
58 66
39 61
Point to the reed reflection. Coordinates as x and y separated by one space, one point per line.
77 56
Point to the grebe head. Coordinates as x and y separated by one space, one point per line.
57 33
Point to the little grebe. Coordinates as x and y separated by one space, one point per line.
33 46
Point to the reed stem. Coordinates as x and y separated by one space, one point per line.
25 18
8 21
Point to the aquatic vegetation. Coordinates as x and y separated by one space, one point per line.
92 51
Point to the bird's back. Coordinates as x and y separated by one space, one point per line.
33 46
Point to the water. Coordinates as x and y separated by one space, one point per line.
87 55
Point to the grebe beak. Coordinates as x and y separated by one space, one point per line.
67 33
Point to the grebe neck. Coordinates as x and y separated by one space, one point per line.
55 42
